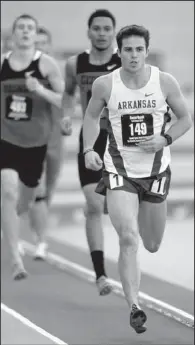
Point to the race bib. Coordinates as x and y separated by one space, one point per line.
135 128
18 108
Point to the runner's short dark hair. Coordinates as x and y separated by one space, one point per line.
101 13
132 30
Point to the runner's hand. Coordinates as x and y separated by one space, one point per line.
32 83
93 161
153 143
66 126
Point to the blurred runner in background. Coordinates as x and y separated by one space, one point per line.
39 212
30 82
82 70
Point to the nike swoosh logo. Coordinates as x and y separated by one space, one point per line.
148 94
111 67
28 74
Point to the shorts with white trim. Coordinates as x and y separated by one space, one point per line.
153 189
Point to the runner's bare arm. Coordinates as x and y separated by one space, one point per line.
178 105
51 71
91 126
68 99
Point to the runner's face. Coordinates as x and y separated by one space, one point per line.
43 43
101 33
25 33
133 53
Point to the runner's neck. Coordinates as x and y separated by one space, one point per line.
98 57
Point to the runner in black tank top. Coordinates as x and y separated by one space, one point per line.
29 82
38 213
86 73
81 71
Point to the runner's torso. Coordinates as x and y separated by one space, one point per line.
132 116
86 73
25 116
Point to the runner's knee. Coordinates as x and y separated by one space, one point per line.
9 195
94 204
93 209
128 238
152 247
9 186
24 204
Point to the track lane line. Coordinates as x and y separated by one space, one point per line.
144 299
30 324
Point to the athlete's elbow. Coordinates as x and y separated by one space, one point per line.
188 122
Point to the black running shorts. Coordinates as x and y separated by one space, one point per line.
153 189
28 162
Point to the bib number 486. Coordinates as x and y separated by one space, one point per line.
18 107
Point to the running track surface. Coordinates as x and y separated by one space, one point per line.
70 309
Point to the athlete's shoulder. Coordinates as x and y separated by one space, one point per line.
71 61
167 77
74 61
84 53
115 56
104 79
168 82
5 56
103 85
47 59
48 64
82 62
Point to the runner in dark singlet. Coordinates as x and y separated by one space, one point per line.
81 71
38 213
30 81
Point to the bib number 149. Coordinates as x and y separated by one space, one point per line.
138 128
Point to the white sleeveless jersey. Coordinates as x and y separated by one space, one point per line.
132 116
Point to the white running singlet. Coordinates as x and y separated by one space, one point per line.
133 115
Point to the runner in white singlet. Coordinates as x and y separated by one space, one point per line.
136 172
133 116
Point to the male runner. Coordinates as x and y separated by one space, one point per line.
136 175
38 213
82 70
30 81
